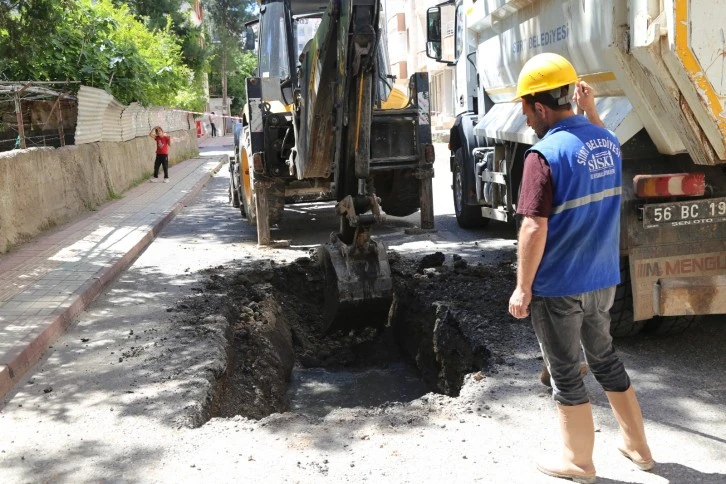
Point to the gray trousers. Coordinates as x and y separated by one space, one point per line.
565 324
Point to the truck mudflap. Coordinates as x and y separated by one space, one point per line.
678 296
674 280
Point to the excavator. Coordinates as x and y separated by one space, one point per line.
322 122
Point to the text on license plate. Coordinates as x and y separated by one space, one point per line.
697 212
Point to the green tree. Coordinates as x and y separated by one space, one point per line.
228 24
23 26
100 45
241 65
156 14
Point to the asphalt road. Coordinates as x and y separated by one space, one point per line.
112 400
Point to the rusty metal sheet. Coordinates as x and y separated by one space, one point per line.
317 136
690 295
112 121
92 104
134 122
103 118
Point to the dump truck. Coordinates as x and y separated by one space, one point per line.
657 68
322 122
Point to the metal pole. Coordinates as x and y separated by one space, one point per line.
61 133
224 87
19 114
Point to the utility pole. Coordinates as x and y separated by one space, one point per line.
224 84
224 37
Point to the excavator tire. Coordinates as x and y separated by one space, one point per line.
399 192
247 208
242 209
233 193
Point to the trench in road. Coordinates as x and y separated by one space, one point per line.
280 360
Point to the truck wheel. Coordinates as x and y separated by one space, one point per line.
621 314
669 325
233 193
400 194
467 216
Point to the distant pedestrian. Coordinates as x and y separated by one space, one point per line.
214 128
163 141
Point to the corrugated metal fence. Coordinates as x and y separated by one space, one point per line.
103 118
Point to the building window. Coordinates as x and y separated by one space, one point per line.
403 70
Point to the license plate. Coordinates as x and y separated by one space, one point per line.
676 214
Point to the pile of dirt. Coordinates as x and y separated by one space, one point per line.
448 317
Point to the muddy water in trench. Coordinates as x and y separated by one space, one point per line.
315 392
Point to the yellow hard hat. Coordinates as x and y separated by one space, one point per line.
544 72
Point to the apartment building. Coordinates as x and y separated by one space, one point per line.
406 29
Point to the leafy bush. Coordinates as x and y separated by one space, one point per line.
100 45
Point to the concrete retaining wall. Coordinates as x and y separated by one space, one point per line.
44 187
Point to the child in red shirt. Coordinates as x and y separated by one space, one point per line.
163 141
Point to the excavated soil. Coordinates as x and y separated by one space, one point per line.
448 318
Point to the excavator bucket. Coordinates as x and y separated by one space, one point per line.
358 285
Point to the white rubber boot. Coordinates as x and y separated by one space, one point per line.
632 430
578 438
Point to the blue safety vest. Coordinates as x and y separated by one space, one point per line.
583 231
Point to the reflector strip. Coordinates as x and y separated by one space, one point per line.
670 185
595 197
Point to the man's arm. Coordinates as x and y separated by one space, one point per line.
535 206
531 245
584 99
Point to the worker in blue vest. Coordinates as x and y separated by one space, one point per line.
568 260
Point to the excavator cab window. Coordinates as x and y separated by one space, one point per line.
274 56
250 36
305 28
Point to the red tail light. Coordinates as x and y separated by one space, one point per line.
670 185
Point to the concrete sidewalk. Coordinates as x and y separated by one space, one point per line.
47 282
